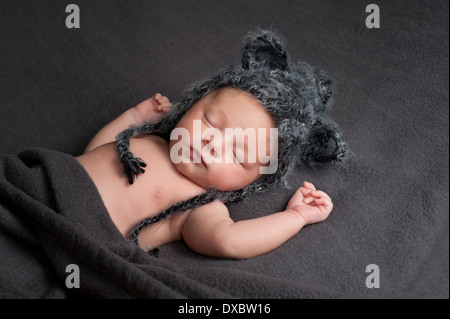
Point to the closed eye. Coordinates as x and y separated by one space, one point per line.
208 123
237 160
235 156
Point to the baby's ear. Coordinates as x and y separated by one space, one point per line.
264 48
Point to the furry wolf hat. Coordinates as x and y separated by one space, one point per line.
295 95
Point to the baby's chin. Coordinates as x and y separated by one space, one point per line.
197 176
187 170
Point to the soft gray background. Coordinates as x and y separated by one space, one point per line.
58 87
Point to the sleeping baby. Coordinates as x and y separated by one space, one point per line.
166 172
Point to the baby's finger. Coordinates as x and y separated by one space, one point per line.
326 203
163 99
299 192
308 200
166 108
304 191
309 185
320 194
163 107
164 104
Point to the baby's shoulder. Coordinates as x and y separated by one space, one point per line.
152 149
214 205
145 140
211 211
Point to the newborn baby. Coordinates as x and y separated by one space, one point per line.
207 229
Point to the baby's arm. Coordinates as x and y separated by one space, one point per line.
149 110
209 229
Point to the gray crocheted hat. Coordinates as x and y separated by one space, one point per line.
296 95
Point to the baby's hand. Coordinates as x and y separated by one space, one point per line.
310 204
154 108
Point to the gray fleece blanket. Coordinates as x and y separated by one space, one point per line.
59 86
57 240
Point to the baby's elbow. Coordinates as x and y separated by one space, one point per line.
230 249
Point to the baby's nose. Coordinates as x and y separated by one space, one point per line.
215 146
207 139
213 143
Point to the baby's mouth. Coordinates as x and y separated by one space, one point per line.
197 157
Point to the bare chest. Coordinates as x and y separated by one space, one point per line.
158 188
161 185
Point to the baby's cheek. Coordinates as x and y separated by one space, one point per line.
225 177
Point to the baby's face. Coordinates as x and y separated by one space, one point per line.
224 140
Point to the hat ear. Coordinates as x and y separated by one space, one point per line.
325 143
264 48
325 88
